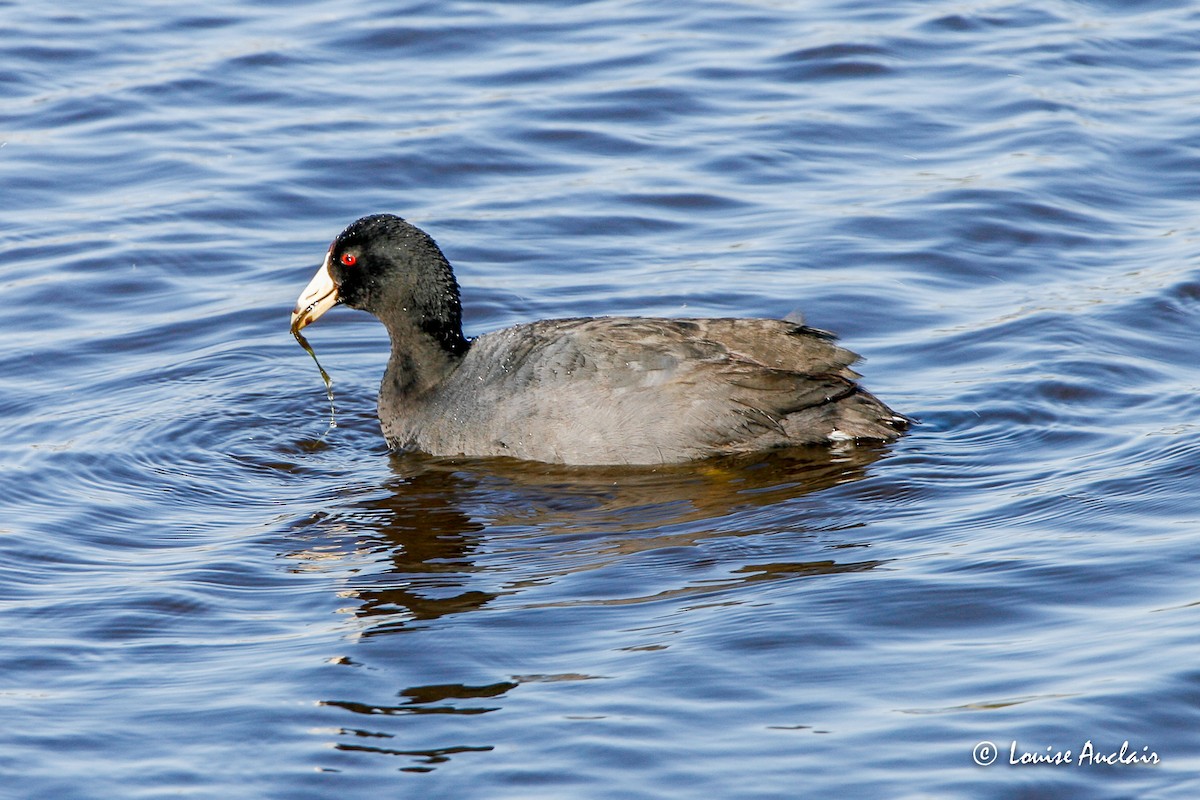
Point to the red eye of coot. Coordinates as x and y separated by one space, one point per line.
349 259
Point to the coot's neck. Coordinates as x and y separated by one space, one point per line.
421 358
424 322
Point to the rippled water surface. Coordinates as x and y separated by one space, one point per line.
206 592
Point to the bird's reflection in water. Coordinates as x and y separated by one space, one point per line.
451 536
445 537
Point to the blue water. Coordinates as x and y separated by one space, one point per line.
206 592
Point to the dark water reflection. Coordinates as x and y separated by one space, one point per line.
452 537
504 539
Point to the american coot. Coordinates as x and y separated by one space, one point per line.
601 390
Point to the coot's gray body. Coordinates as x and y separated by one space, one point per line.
599 390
